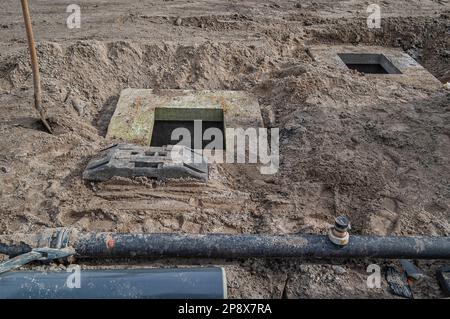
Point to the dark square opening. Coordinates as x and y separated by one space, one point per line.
369 63
167 120
162 131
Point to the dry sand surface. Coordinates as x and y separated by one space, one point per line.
371 148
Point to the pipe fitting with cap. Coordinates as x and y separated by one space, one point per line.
338 234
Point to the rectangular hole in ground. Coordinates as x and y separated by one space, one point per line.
169 119
369 63
162 132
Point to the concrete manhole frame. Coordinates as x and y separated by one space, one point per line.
138 109
410 73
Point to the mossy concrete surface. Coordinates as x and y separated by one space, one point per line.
411 72
137 110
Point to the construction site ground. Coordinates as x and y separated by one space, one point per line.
372 148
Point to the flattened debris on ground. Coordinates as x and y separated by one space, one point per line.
159 163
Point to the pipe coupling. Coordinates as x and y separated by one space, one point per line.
338 234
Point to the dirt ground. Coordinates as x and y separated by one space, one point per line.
369 148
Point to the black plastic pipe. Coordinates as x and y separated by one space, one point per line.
94 245
244 246
180 283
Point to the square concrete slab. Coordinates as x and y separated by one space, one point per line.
139 110
376 61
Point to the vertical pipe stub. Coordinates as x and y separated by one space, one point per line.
338 234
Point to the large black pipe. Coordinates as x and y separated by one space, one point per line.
93 245
244 246
184 283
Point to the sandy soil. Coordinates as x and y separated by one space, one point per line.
370 148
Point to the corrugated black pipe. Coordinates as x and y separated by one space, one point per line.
93 245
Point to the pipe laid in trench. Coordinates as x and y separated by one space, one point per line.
95 245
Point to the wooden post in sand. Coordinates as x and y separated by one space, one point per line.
34 65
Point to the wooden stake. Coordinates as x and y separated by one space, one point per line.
34 65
